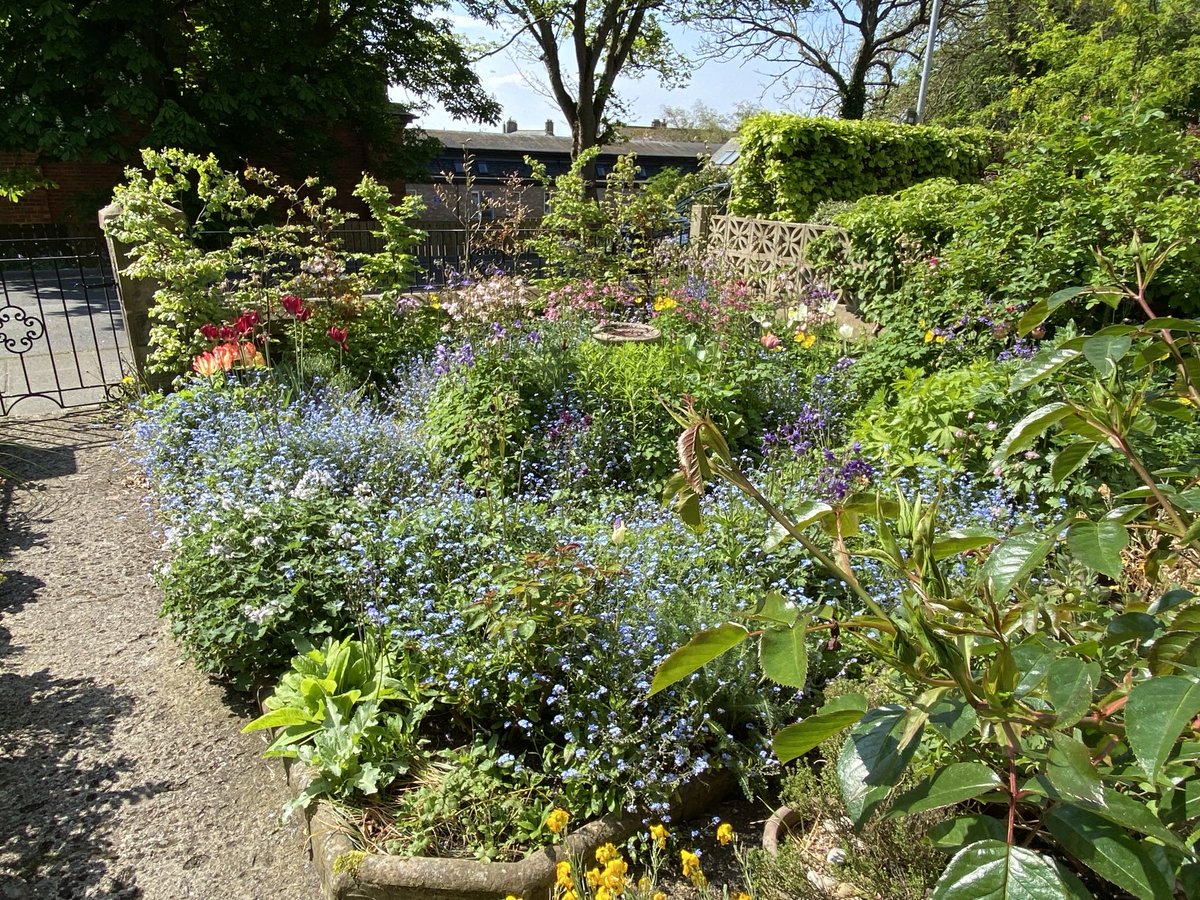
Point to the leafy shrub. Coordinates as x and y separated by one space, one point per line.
788 165
1046 675
938 250
220 245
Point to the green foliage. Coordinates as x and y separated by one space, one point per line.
939 250
219 244
1033 676
620 234
788 165
17 182
1029 65
326 712
238 605
102 79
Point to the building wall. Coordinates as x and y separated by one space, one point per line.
83 187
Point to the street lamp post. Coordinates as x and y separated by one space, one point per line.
933 26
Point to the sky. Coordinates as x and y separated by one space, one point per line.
518 85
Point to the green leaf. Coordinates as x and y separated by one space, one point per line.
953 784
1070 683
874 758
1098 545
1043 364
1111 852
1169 600
809 513
783 656
1026 431
776 608
278 718
956 542
1070 771
1013 560
1104 352
1136 816
992 870
1133 626
1070 458
796 740
1169 323
1155 713
953 719
954 834
703 648
1033 659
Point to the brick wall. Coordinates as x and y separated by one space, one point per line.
83 188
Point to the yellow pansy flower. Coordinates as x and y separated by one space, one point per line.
724 833
662 304
805 339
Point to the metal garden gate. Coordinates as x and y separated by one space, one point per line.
62 339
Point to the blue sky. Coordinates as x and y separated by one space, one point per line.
508 78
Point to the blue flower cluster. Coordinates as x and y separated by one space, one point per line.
536 616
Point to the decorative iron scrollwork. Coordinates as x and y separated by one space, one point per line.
19 330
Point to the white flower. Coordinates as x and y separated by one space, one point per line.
261 542
845 331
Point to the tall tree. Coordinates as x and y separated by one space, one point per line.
585 45
845 51
98 78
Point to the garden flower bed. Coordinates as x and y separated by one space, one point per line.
952 566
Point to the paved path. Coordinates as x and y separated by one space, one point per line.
122 771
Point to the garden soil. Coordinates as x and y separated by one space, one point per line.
122 771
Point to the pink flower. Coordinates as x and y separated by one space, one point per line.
934 262
769 340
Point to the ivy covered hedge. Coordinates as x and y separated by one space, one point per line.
790 164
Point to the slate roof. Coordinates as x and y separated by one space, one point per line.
540 142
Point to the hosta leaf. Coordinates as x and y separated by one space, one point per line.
1028 429
796 740
703 648
278 718
992 870
783 656
874 758
1012 560
1156 712
1111 852
953 784
1098 545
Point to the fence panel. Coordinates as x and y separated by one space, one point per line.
765 251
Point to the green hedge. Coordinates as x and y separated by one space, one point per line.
789 164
